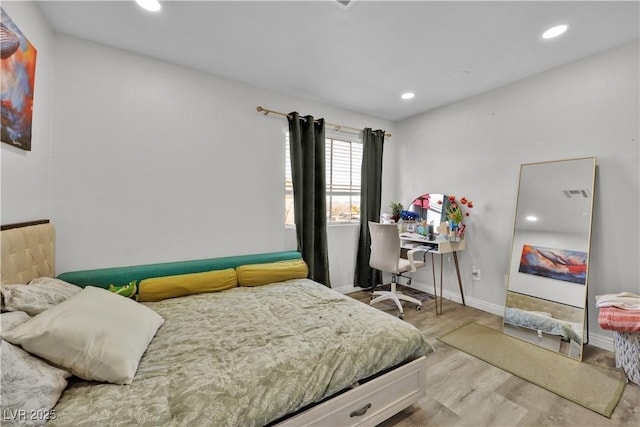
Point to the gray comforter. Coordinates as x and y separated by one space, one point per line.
246 357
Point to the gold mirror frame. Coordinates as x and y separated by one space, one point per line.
548 269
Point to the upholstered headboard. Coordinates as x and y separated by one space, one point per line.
28 251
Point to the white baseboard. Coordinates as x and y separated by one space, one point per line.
455 296
348 289
601 341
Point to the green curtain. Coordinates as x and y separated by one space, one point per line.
307 149
370 204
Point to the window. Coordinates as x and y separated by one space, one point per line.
343 163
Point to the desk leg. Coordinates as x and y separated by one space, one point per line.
455 260
441 268
435 289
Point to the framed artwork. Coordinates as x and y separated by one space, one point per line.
17 77
560 264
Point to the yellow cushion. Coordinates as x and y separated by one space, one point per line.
159 288
262 274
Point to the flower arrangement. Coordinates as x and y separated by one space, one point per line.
454 210
396 210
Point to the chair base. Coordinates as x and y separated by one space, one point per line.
396 297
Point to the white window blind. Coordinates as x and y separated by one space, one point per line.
343 163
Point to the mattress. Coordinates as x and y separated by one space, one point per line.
246 357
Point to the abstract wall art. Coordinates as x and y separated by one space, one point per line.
559 264
17 77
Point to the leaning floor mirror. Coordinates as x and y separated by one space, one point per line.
547 281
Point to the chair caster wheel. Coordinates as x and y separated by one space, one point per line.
419 308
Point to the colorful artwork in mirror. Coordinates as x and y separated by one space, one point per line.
17 77
560 264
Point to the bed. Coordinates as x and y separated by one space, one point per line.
291 352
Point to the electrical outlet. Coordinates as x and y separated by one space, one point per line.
475 273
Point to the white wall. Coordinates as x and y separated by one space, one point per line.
26 175
474 148
155 162
137 160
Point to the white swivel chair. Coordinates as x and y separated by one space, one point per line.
385 256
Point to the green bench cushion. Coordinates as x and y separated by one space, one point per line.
104 277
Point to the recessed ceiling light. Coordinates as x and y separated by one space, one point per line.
150 5
555 31
345 3
407 95
531 218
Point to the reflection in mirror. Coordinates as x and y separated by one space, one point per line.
548 271
428 207
557 327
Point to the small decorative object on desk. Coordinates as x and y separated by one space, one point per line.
455 215
408 215
385 218
396 209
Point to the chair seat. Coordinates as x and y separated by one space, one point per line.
404 266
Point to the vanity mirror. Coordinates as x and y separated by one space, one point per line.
547 286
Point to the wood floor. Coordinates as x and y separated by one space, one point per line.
465 391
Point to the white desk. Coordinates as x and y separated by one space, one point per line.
440 246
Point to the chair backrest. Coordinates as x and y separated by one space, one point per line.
385 247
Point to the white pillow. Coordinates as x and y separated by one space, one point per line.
39 295
96 334
30 386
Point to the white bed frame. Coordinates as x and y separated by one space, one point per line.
28 252
369 403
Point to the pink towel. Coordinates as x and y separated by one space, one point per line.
617 319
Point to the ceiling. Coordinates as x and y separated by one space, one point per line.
361 57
